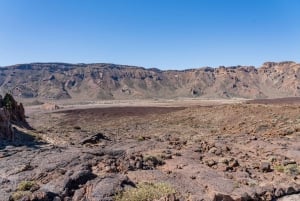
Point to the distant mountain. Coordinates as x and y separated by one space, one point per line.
110 81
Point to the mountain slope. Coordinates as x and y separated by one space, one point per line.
110 81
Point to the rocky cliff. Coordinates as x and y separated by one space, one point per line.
110 81
10 113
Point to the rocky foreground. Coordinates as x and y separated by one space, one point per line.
245 151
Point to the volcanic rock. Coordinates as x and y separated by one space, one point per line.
110 81
10 113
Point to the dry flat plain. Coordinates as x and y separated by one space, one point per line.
156 150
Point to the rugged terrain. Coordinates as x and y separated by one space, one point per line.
110 81
200 151
11 112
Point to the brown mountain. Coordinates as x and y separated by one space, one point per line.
110 81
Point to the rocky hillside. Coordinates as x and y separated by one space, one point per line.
110 81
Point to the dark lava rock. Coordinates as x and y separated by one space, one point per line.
290 190
222 197
104 188
94 139
78 178
279 192
265 167
43 196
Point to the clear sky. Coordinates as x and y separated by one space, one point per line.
167 34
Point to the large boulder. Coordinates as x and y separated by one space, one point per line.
103 188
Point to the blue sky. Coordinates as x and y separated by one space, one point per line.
167 34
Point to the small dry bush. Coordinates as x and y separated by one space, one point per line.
146 192
23 190
19 194
25 185
291 169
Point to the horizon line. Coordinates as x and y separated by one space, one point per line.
140 66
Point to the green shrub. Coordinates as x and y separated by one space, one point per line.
145 192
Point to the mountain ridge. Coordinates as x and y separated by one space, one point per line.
113 81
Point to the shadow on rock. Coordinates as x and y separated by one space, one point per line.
21 139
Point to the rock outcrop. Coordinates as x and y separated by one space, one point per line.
10 113
110 81
6 130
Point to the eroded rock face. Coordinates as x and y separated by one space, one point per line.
110 81
6 131
16 110
10 113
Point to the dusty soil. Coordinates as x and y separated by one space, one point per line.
289 100
237 151
116 112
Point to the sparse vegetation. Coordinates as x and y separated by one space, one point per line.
8 101
25 185
279 168
19 194
291 169
24 188
146 192
141 138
